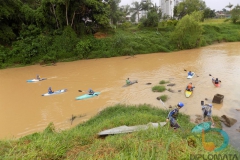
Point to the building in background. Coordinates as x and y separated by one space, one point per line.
167 6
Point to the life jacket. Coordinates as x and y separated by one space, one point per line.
189 86
175 114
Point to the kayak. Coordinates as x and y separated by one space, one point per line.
55 92
189 76
85 96
216 85
132 82
36 80
130 129
188 93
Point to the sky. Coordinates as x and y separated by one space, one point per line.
212 4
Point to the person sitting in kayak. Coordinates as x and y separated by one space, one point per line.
216 81
190 73
90 92
189 87
38 77
172 116
128 81
50 90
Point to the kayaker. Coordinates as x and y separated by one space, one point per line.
190 73
128 81
90 92
216 81
172 116
50 90
189 87
38 77
207 112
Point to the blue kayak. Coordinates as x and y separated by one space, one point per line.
85 96
55 92
36 80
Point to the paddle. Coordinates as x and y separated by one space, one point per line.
195 73
211 75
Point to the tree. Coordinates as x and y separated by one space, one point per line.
124 11
151 20
208 13
137 7
188 32
229 6
10 20
189 6
114 10
235 14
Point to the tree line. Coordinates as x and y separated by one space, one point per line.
42 31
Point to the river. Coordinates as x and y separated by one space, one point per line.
25 111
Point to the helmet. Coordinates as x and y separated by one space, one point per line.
216 78
180 104
210 105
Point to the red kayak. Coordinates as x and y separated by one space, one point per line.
217 85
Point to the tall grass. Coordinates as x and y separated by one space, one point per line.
82 141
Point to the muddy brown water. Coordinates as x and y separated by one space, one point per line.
24 110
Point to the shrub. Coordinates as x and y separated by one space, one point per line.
163 82
164 98
158 88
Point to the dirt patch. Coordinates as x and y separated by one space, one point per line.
99 35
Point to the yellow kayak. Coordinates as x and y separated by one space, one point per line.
188 93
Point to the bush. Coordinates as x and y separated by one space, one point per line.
163 82
158 88
187 34
164 98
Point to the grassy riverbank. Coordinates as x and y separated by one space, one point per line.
82 142
67 46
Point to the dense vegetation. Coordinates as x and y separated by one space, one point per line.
45 31
82 141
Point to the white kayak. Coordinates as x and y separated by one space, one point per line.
55 92
36 80
129 129
191 76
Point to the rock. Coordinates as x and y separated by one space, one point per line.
227 120
179 90
206 99
171 84
170 90
158 98
218 98
170 106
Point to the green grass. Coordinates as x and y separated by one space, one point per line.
163 82
82 141
164 98
158 88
